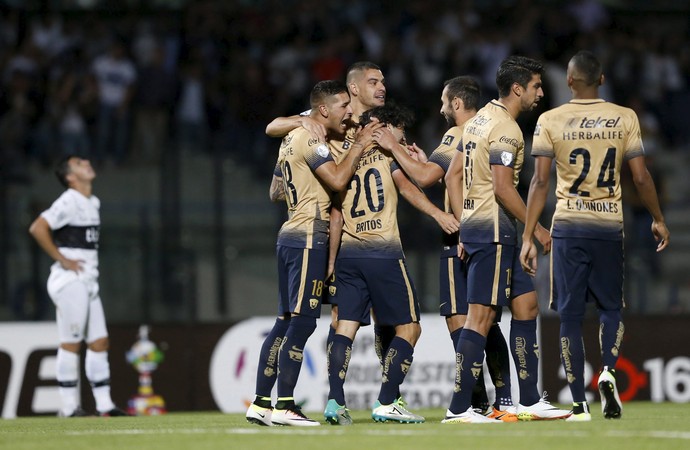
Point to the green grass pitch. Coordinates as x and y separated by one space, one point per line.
644 426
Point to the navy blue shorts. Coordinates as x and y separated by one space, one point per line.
453 286
301 280
586 270
383 285
494 274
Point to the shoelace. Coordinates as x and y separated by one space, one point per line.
297 411
544 395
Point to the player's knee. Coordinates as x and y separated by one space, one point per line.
99 345
410 332
525 307
455 322
480 318
73 347
305 323
572 319
613 317
347 328
334 317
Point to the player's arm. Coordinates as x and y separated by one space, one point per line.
337 176
647 192
281 126
41 232
424 174
454 182
277 189
419 200
536 200
508 196
335 228
417 153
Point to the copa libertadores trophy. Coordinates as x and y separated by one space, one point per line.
145 357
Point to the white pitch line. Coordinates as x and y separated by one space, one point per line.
140 431
329 431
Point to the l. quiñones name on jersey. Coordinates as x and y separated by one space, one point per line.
589 140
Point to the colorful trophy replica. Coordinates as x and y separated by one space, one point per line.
145 357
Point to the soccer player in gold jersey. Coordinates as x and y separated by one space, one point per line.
493 150
309 177
589 139
459 103
371 273
366 85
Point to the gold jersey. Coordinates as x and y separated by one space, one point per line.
589 139
339 149
442 156
491 137
308 199
369 206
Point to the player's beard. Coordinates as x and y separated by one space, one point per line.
450 119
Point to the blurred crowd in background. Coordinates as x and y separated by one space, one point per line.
119 84
143 87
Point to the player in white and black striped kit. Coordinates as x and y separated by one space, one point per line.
68 231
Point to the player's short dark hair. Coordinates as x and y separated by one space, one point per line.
325 89
359 66
516 69
466 89
390 114
62 169
587 66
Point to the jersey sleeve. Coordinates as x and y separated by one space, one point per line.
60 212
317 153
633 144
542 145
505 141
277 171
443 154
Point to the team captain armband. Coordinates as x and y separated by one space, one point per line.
77 237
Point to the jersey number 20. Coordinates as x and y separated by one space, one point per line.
357 185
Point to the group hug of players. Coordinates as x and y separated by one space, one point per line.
340 169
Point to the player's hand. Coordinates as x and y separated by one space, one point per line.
544 238
365 135
330 271
447 222
462 254
417 153
528 257
316 130
661 235
71 264
385 138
